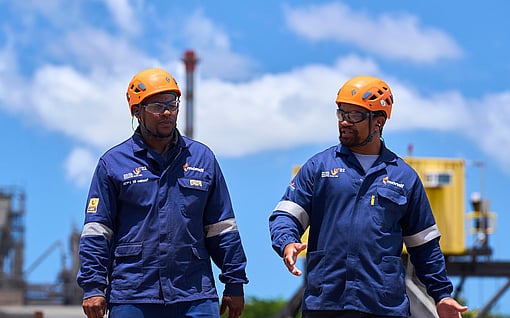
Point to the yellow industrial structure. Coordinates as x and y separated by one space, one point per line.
444 181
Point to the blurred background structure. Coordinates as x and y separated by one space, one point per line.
15 289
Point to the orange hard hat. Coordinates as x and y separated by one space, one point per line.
149 82
368 92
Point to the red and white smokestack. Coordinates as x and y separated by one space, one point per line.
190 61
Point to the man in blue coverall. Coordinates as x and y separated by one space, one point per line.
361 202
158 211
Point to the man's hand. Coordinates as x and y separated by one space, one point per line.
450 308
290 254
235 305
94 307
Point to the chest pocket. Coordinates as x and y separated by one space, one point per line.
393 195
139 192
193 194
391 206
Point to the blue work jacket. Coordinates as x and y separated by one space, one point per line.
151 229
358 223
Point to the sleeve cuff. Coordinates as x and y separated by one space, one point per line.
284 242
437 298
233 290
93 292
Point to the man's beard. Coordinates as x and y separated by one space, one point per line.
351 140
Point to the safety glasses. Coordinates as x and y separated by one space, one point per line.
352 117
158 108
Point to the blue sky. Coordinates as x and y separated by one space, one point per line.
264 100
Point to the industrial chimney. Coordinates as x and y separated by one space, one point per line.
190 61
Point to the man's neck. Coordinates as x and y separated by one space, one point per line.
159 144
372 148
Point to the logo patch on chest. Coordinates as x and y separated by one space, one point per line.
333 173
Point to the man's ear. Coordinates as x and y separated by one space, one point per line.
380 121
135 111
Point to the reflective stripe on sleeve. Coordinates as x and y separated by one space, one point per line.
295 210
422 237
96 228
221 227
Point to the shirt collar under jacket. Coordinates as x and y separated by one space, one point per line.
139 143
386 155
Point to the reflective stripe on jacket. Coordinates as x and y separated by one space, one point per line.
151 229
358 222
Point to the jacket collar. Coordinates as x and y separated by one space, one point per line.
385 155
139 143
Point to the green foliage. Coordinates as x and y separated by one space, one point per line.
261 308
474 314
268 308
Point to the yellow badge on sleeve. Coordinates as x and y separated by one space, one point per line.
92 207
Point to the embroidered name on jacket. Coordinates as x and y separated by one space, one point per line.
187 167
137 172
333 173
386 180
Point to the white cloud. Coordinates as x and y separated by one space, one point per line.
11 83
124 15
89 108
270 112
86 99
444 111
273 111
54 12
212 45
488 126
395 36
79 166
101 52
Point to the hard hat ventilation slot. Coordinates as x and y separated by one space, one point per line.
368 94
140 87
